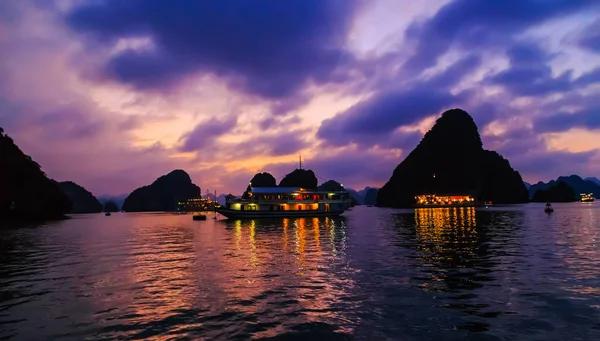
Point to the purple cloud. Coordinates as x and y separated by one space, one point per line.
529 154
204 134
283 143
529 74
550 164
386 111
588 118
590 37
480 24
377 117
591 77
266 47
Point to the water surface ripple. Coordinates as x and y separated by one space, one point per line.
503 273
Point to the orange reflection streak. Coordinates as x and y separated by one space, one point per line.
252 237
300 235
286 223
238 234
447 237
317 232
300 243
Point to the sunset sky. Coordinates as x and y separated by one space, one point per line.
113 94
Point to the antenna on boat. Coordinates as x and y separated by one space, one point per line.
300 161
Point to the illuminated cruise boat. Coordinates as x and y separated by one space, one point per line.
587 197
269 202
450 200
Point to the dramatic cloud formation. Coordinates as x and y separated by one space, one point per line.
205 133
266 47
590 38
112 94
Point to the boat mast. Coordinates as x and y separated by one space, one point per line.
300 161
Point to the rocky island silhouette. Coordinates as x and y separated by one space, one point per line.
450 159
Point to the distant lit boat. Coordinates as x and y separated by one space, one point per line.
269 202
548 208
451 200
587 197
196 205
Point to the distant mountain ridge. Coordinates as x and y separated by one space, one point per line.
578 185
594 180
117 199
560 192
361 196
82 200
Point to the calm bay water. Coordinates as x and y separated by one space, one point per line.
503 273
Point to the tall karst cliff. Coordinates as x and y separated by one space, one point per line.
163 194
25 191
450 159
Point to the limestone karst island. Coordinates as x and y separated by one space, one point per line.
448 168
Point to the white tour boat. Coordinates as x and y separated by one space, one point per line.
271 202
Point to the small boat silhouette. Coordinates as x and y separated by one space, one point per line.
108 214
199 217
548 208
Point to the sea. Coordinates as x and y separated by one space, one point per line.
497 273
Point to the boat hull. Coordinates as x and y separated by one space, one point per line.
236 214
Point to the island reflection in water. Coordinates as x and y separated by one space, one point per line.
447 273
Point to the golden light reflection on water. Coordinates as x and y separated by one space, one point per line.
317 231
252 240
447 237
287 257
442 224
300 235
286 223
